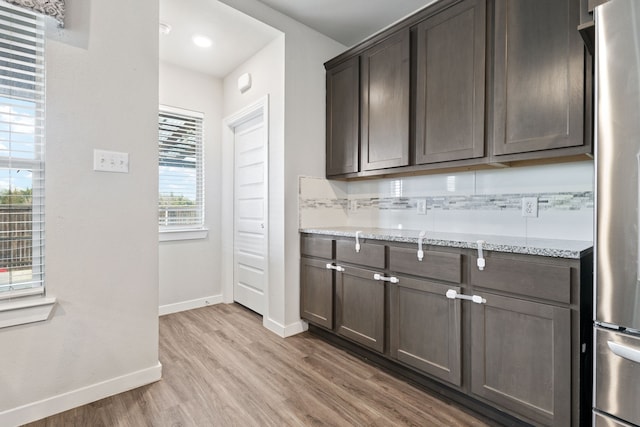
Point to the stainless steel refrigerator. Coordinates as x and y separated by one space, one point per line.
617 266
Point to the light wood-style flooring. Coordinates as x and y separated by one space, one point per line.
222 368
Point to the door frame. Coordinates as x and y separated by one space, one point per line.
257 108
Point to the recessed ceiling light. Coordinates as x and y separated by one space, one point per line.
165 28
202 41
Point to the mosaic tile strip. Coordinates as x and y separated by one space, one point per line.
501 202
323 203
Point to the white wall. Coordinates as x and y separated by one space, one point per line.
190 269
305 52
101 228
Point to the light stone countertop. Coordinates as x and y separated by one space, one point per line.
572 249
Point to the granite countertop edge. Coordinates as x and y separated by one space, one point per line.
556 248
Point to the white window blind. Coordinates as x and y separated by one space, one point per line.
22 120
181 169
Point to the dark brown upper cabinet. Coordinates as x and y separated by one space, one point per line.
385 86
343 117
450 84
539 80
462 84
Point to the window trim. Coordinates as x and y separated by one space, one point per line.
184 234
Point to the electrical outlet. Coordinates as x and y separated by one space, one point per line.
530 207
421 207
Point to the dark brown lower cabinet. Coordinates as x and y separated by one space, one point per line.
521 357
316 292
425 330
360 307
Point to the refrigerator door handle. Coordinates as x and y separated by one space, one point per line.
624 351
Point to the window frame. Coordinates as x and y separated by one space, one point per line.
171 232
22 82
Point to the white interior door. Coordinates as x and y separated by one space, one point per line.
250 213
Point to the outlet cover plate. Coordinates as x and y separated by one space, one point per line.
530 207
421 207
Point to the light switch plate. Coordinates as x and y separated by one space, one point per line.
110 161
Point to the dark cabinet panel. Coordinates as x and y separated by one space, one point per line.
425 329
360 313
539 75
546 280
385 80
435 264
343 118
450 85
316 292
370 254
316 246
521 358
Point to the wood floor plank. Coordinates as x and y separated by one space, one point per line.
222 368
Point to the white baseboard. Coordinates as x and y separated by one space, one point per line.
188 305
285 331
63 402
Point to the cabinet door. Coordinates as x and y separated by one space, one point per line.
451 84
385 80
360 307
316 292
425 327
538 92
343 119
521 358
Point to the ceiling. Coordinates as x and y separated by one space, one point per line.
347 21
237 37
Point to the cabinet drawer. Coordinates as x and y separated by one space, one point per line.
538 280
435 265
316 246
370 255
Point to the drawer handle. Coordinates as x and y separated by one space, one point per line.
481 262
358 241
420 251
452 294
334 267
385 279
624 351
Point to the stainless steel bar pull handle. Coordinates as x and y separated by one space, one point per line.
385 279
334 267
452 294
624 351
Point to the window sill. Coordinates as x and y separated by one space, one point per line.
25 310
184 234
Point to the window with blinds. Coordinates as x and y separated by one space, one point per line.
181 169
21 152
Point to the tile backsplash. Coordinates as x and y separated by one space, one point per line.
481 202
